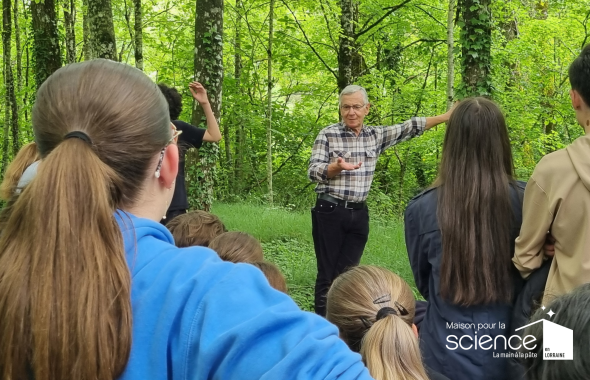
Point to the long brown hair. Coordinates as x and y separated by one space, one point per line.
24 158
65 301
474 211
388 345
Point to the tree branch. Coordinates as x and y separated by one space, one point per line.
334 44
309 43
390 11
431 16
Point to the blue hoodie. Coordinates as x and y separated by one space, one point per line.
197 317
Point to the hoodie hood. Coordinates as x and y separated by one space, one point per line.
579 153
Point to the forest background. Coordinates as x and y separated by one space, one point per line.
273 69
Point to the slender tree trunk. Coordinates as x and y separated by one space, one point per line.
11 107
27 66
69 7
476 43
101 29
87 48
346 44
239 143
19 53
269 105
138 34
46 50
6 61
450 54
208 71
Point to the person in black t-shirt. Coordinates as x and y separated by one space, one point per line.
191 137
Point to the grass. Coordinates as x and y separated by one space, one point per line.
286 239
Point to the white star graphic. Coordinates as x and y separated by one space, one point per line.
551 313
543 307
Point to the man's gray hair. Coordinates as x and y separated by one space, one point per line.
351 89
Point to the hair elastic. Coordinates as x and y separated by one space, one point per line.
385 311
78 135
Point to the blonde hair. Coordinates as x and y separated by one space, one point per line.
273 275
388 345
237 247
24 158
65 296
195 228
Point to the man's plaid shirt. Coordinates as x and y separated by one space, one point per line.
340 141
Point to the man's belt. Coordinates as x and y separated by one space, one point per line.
341 202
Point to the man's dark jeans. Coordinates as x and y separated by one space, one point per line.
339 238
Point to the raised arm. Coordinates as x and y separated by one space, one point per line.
212 134
413 127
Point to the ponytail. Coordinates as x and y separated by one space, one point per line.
65 306
390 350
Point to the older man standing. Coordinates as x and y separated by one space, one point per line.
343 163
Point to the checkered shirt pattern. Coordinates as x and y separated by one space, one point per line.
338 140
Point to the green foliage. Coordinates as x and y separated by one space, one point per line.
403 66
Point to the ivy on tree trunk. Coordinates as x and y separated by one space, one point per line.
11 105
476 42
101 32
208 71
46 50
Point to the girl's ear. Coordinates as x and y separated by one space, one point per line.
169 168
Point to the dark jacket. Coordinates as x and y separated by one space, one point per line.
526 304
444 320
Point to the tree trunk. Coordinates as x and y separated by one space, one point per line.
69 7
239 147
11 110
346 47
46 50
27 69
208 71
87 49
101 29
476 42
19 53
450 54
269 105
138 35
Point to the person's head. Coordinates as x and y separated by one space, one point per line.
571 310
579 74
102 130
25 157
354 106
474 210
273 275
195 228
174 100
373 309
237 247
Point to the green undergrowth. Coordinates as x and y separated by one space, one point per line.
287 242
